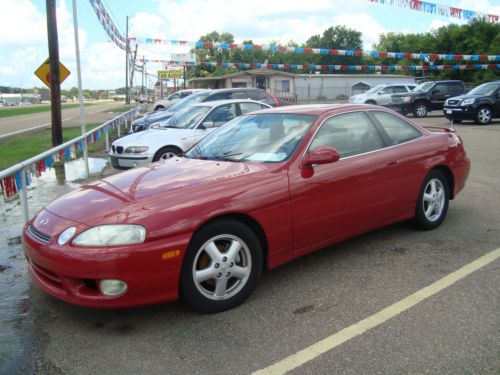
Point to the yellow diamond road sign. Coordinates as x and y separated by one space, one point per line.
43 72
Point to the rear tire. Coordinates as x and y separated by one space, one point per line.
432 202
221 267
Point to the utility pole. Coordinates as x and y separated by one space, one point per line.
127 96
80 96
55 86
132 69
143 70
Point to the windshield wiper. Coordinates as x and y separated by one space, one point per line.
228 157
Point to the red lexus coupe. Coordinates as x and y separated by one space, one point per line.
258 192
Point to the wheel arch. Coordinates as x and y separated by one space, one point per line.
250 222
168 146
450 179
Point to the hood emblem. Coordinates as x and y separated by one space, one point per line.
43 222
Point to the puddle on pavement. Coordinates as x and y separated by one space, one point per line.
14 280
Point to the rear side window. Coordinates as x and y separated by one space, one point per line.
250 107
399 131
350 134
257 95
399 89
238 95
218 96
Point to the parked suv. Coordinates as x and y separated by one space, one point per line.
480 104
259 95
426 97
381 94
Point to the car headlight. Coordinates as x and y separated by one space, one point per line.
136 149
406 99
467 101
66 235
111 235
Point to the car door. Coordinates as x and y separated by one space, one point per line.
496 98
384 95
331 201
439 94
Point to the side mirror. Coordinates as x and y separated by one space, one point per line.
207 124
434 92
380 92
320 155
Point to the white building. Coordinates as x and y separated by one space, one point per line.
301 88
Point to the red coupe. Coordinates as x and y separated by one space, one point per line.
260 191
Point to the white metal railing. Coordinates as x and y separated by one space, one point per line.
23 166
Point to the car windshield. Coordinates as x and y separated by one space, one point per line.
423 87
375 89
486 89
190 100
270 137
186 118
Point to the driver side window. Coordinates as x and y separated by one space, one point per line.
222 114
350 134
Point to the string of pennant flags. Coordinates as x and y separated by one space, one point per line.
318 51
330 67
438 9
108 25
11 185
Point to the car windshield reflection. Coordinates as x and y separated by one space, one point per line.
187 118
270 137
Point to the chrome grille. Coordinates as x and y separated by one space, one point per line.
114 149
39 236
119 149
453 102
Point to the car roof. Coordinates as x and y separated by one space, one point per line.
215 103
237 89
317 109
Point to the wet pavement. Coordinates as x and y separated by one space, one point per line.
18 340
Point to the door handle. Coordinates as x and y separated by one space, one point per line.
391 163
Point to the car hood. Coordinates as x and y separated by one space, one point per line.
150 137
466 96
167 189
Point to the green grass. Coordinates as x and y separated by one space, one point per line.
22 147
30 109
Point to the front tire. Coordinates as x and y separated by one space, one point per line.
165 153
221 267
432 202
483 115
420 109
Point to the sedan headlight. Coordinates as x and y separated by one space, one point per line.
111 235
467 101
136 149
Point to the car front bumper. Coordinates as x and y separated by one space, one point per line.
122 161
72 274
459 113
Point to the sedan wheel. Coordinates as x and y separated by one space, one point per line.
432 203
166 153
483 116
221 266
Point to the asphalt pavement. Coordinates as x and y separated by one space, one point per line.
454 331
97 113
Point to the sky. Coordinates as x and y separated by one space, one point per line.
23 30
